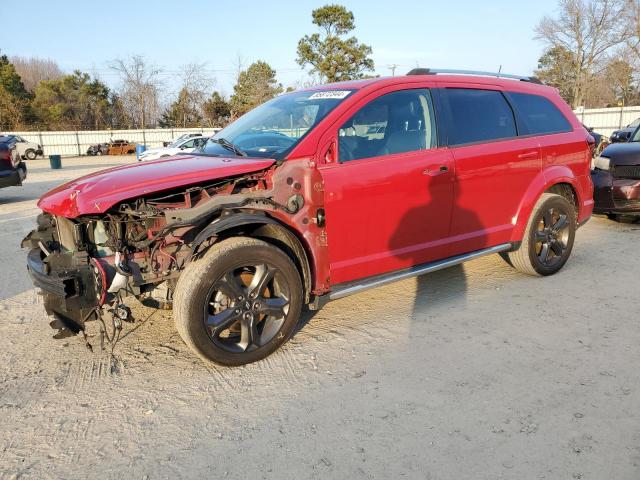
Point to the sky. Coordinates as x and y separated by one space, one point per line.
85 35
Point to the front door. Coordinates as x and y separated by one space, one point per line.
388 189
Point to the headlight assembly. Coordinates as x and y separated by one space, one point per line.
602 163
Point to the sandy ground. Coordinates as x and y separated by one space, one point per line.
475 372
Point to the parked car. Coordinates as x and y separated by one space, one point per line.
186 145
184 136
239 240
624 134
13 170
27 150
121 147
98 149
616 179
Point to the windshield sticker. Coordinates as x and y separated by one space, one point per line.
330 95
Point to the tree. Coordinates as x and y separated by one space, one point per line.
181 113
140 89
556 68
14 98
74 101
217 110
589 30
256 85
33 70
330 55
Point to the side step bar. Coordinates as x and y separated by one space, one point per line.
379 280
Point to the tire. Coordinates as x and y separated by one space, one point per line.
30 154
552 223
218 289
99 153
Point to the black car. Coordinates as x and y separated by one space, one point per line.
624 134
616 179
98 149
12 169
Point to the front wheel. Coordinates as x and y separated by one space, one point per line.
30 154
548 238
238 303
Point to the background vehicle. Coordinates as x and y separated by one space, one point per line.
121 147
13 170
624 134
616 179
181 138
355 185
98 149
27 150
186 145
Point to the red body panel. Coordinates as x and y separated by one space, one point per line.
98 192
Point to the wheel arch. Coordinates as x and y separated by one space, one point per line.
262 227
558 179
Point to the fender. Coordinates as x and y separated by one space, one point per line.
540 184
225 223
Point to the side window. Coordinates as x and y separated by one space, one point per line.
393 123
540 115
189 144
478 116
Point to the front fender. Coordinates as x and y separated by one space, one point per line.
546 179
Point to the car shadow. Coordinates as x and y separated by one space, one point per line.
462 222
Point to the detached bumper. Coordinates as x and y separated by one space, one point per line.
70 286
615 195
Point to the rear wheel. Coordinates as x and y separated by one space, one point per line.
238 303
548 239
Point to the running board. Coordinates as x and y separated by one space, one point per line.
379 280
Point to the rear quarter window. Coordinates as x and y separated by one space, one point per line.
539 114
478 116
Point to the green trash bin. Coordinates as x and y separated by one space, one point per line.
55 161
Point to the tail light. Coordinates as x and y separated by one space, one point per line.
5 157
592 144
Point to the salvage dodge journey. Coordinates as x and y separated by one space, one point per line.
315 195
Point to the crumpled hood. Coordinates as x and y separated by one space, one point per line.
97 192
623 153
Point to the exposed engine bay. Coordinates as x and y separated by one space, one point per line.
86 266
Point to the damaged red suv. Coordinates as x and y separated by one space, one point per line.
315 195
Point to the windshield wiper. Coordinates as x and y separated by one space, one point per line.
229 146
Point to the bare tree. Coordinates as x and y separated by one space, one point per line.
589 29
33 70
632 16
140 89
196 85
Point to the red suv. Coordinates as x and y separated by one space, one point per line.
315 195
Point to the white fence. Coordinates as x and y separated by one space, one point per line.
606 120
602 120
77 143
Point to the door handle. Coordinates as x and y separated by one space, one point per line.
528 155
435 172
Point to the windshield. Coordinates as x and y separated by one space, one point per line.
635 123
636 136
275 127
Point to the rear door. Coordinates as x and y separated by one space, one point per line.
493 166
388 186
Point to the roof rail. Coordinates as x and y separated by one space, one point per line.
439 71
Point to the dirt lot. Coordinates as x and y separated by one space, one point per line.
474 372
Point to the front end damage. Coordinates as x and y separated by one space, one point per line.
86 266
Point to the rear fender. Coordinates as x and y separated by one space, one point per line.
541 183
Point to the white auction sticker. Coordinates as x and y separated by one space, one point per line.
330 94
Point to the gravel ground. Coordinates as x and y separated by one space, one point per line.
473 372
